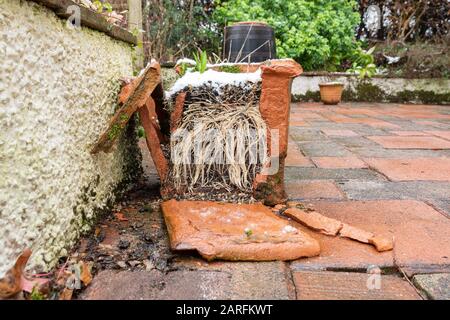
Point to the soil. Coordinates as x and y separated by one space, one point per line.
133 237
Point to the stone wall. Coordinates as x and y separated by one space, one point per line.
58 90
376 89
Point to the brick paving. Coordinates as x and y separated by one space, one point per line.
381 167
391 164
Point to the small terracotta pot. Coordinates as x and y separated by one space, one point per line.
331 93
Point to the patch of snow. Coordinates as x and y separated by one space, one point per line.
215 78
391 60
289 229
187 61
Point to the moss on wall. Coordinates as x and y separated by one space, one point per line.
368 90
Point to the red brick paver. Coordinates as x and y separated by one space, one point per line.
409 133
315 189
338 162
313 285
295 158
442 134
435 169
340 133
420 232
411 142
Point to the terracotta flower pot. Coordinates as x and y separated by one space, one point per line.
331 92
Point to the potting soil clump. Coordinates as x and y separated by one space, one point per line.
220 141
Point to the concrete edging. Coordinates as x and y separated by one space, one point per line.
376 89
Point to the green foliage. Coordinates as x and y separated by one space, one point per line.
36 294
318 34
363 63
230 69
114 132
141 132
174 28
201 61
102 6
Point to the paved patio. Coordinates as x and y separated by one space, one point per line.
382 167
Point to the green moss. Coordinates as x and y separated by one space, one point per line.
114 132
423 96
36 295
307 97
365 91
123 118
230 69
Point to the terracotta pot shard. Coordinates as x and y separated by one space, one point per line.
245 232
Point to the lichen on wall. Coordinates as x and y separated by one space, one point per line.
58 90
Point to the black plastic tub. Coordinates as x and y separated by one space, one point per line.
249 42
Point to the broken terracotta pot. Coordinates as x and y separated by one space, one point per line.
333 227
274 106
245 232
133 96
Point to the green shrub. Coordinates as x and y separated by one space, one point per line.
363 63
318 34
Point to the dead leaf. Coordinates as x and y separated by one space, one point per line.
86 275
66 294
28 285
119 216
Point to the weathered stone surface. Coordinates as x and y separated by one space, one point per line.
69 80
340 133
420 232
314 189
338 162
411 142
311 285
209 281
248 280
292 173
234 232
443 134
315 220
295 158
436 169
435 286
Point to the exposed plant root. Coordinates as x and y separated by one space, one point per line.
221 142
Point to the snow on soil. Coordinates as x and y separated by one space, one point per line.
215 78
